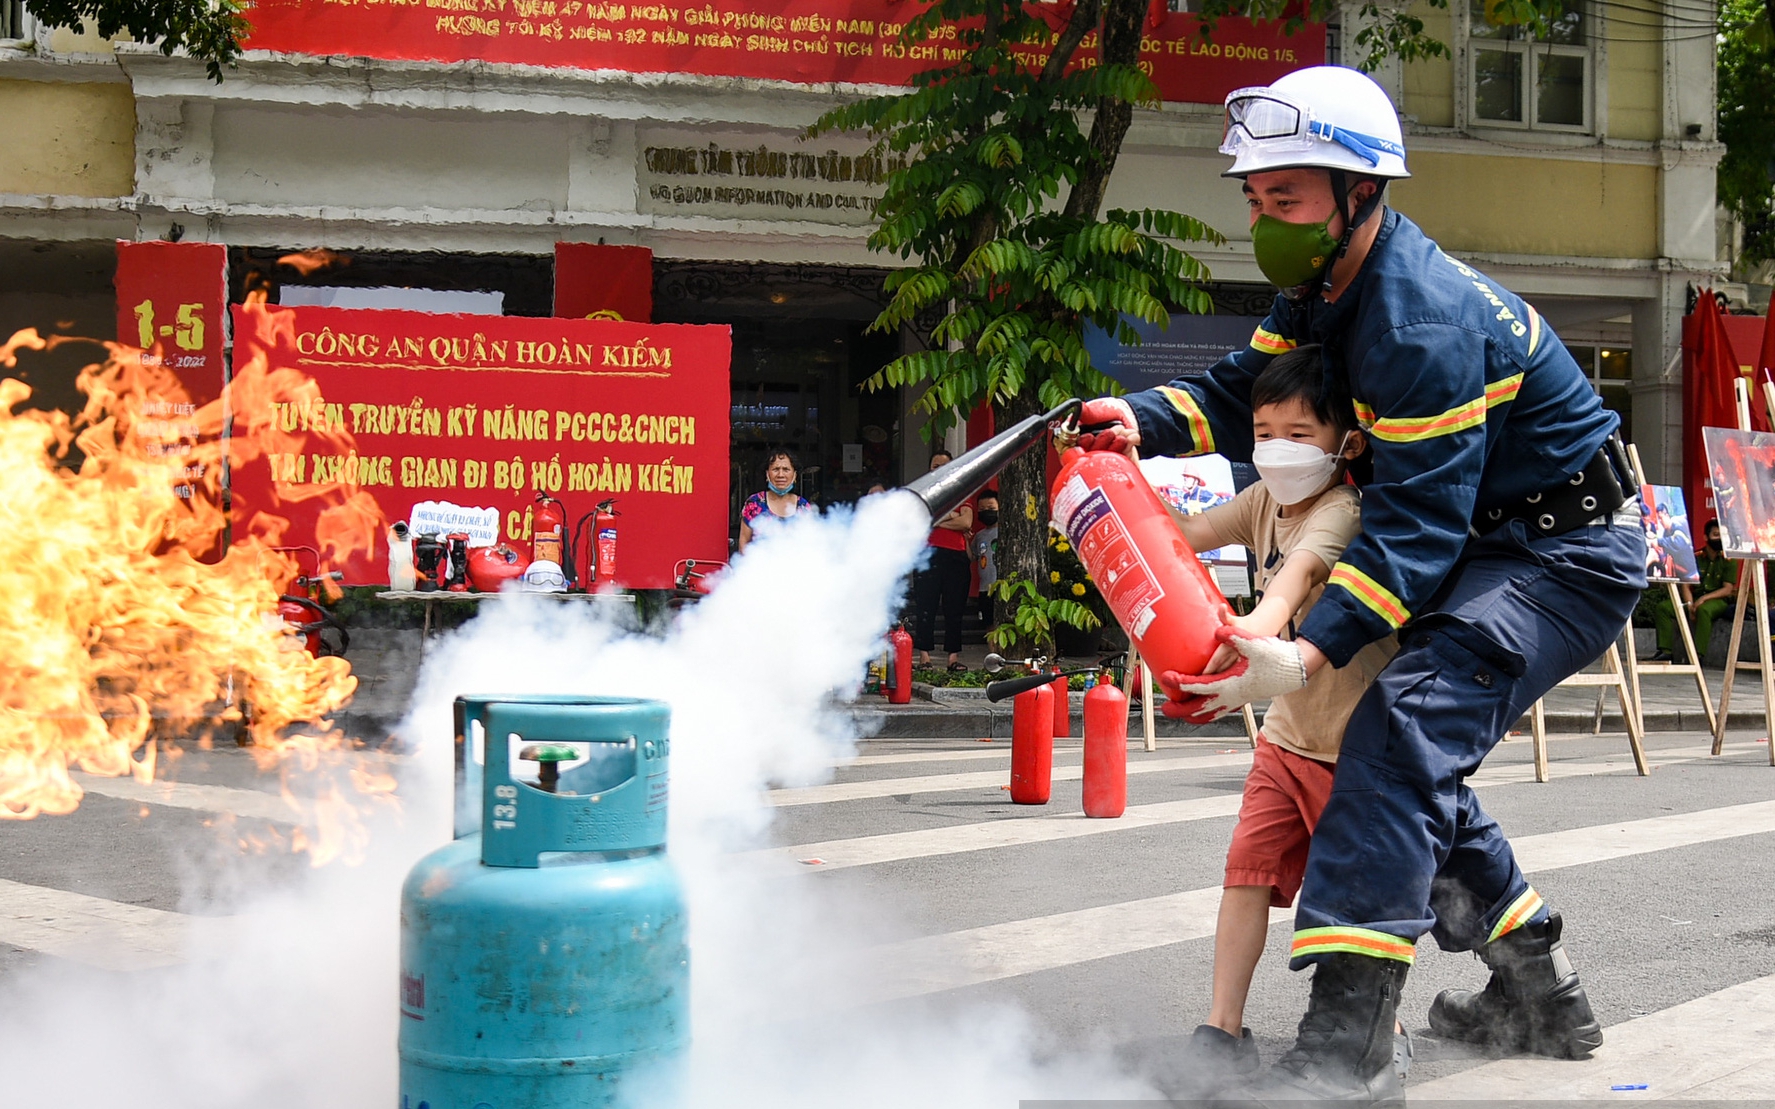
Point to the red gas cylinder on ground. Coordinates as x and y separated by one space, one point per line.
1106 750
1062 707
899 671
1032 746
1158 589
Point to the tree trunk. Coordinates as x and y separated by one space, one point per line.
1023 511
1122 23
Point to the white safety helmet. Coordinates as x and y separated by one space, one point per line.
1324 117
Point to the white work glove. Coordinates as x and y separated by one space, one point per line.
1123 432
1268 666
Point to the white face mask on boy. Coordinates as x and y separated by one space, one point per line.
1294 471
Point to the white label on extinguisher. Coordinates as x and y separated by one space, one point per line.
1103 545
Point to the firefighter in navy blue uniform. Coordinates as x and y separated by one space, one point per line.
1499 541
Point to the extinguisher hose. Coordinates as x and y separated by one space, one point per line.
324 620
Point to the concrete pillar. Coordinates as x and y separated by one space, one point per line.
1657 381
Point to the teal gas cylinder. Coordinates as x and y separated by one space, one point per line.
544 960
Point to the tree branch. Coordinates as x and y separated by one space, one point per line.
1084 18
1122 21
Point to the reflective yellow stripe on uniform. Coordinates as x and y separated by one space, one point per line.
1503 392
1519 911
1364 415
1192 412
1268 342
1412 429
1534 328
1359 941
1370 592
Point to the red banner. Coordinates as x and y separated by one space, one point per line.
170 300
806 41
481 412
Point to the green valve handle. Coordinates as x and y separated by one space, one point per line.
550 755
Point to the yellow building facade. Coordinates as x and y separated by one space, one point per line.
1577 171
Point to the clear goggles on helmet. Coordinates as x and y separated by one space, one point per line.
1261 117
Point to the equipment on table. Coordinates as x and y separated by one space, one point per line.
548 531
544 954
544 577
457 579
401 576
591 551
429 561
489 568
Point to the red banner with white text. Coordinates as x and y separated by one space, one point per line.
479 413
804 41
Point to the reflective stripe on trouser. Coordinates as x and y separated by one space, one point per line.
1403 846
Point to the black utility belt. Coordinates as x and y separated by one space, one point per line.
1595 491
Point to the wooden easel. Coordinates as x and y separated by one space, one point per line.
1146 696
1752 569
1622 679
1693 666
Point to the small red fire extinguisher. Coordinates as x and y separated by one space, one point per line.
899 671
1032 746
548 533
1106 750
604 545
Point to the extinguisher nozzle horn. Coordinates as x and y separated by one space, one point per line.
1010 687
948 487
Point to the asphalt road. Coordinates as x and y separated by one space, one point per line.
1100 930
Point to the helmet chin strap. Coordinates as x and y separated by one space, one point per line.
1340 191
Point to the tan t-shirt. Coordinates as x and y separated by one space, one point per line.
1309 721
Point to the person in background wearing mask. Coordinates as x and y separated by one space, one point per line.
1719 592
1296 519
777 501
944 581
983 549
1500 540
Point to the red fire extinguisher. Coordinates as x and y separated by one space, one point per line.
1158 589
594 546
899 671
548 532
1032 746
1106 750
1062 686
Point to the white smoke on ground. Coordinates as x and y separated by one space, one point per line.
294 1004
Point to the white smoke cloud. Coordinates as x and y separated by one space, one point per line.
295 1005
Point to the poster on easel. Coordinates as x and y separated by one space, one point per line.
1741 470
1670 545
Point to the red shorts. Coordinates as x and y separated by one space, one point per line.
1284 795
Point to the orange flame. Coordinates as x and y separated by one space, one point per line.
119 635
312 261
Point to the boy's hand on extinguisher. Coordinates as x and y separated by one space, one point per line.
1112 427
1268 665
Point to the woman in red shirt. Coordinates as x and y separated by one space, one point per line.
946 580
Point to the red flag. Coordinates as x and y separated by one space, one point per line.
1765 371
1709 369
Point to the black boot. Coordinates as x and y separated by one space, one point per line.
1344 1048
1533 1003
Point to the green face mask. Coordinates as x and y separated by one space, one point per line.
1291 254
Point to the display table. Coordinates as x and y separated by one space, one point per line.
435 597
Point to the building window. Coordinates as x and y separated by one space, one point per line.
1610 370
1517 80
15 22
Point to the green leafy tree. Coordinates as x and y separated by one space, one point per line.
208 30
1746 78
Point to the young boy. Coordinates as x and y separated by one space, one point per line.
1296 520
